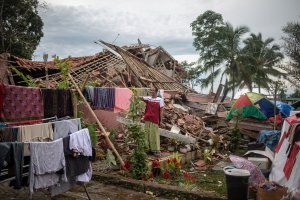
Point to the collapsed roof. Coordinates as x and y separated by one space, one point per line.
115 66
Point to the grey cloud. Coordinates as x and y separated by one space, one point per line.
71 30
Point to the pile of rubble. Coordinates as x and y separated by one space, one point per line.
207 130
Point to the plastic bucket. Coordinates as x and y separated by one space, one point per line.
237 183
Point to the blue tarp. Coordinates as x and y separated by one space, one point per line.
270 138
284 108
266 107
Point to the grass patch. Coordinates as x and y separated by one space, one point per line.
212 181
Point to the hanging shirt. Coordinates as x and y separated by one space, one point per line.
66 127
47 164
37 132
80 142
152 111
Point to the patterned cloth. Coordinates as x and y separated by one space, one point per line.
22 103
57 102
152 139
256 177
104 98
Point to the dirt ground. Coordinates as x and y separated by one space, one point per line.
97 191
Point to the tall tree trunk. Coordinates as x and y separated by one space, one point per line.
258 84
233 86
212 80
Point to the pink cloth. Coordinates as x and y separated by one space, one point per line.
22 103
122 99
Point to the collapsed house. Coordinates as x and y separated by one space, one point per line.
139 66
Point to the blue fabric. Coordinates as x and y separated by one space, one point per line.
104 98
267 107
270 138
284 108
88 93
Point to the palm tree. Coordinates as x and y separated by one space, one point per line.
231 52
206 31
257 61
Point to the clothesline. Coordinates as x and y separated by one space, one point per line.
27 103
78 140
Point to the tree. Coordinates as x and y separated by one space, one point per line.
21 27
192 73
291 48
257 61
231 52
206 31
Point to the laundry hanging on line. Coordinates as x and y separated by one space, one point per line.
19 103
22 103
57 102
104 98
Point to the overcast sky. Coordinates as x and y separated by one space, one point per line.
71 26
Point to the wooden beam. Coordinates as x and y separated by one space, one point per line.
85 81
163 132
98 122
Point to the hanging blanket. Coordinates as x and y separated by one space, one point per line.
104 98
21 103
122 99
57 102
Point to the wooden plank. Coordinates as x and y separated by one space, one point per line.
163 132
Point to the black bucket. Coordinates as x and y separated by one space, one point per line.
237 183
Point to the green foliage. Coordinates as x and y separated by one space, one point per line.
112 135
94 83
174 165
291 48
235 135
208 36
21 27
296 94
110 158
173 142
234 139
64 67
93 135
208 155
27 79
92 127
136 132
136 107
257 61
192 73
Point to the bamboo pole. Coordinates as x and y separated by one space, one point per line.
98 122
